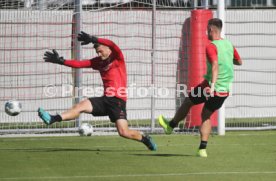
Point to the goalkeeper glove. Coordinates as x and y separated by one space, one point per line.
85 38
53 57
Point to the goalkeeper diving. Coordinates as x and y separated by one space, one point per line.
110 63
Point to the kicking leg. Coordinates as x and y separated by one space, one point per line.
182 111
179 115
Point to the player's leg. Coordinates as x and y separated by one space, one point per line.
205 130
180 114
116 109
213 104
124 131
84 106
74 112
196 96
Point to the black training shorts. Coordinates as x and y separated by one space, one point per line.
113 107
211 103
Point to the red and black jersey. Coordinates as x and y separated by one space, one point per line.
112 70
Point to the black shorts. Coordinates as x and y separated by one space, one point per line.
113 107
213 103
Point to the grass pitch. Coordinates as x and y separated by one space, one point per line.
244 156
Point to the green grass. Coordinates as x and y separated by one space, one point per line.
237 156
134 123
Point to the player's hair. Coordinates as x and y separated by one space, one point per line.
96 45
215 22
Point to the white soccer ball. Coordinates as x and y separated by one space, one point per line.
86 129
13 107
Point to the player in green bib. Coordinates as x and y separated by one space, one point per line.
214 89
225 73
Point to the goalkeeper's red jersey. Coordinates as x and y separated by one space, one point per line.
112 70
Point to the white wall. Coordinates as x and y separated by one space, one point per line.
251 31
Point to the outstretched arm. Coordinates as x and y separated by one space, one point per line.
78 64
85 39
53 57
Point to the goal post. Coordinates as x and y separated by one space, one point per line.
77 53
221 111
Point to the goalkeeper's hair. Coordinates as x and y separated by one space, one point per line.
215 22
96 45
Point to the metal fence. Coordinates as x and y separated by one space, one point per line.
98 4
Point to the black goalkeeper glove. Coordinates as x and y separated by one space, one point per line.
85 38
53 57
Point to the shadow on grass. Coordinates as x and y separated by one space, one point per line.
162 155
97 150
64 149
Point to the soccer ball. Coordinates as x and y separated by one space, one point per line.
13 107
85 129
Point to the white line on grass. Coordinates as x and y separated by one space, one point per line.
135 175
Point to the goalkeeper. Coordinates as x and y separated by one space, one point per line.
221 55
111 65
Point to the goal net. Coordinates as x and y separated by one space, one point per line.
33 27
252 104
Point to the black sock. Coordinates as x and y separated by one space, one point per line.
173 124
56 118
203 145
145 140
